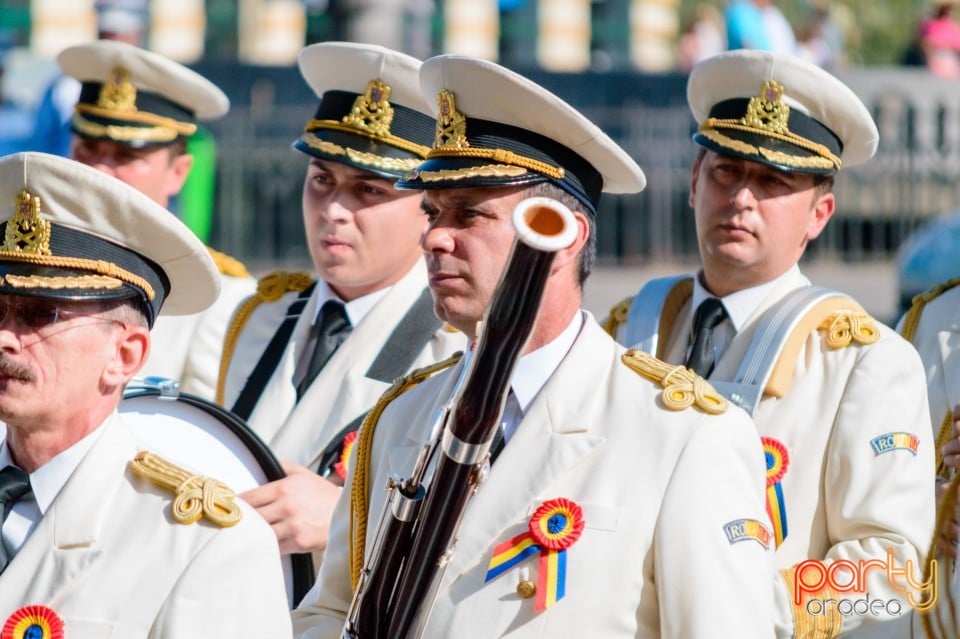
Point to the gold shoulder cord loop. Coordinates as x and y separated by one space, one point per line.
682 387
847 326
196 496
227 264
270 288
617 316
360 488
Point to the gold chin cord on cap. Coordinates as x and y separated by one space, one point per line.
768 115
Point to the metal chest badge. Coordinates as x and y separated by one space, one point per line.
33 622
555 526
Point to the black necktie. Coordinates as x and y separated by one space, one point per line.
329 331
14 484
708 316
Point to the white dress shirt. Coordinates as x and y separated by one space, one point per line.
45 484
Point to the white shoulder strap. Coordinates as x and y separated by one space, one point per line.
642 328
775 328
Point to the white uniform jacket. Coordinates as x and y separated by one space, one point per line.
110 561
341 392
657 488
842 498
189 347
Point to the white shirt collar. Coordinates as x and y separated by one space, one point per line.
47 481
535 368
356 309
740 305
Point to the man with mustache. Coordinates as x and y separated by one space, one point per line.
101 537
654 508
838 398
308 355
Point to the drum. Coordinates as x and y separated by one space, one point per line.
210 440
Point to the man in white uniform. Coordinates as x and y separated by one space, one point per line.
135 113
308 355
838 398
669 496
101 538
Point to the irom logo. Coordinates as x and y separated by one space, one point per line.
895 441
745 529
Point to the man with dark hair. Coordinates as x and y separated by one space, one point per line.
837 398
309 354
600 471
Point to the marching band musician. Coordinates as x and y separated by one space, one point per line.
101 538
135 113
837 397
309 354
662 529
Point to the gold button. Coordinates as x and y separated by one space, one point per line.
526 589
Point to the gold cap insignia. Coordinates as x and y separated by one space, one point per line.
451 124
371 111
118 93
27 232
767 111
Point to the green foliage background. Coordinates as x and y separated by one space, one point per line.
878 31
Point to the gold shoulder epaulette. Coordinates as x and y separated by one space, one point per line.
228 265
617 316
682 387
848 326
360 491
195 496
270 288
912 318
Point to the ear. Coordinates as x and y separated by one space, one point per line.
132 349
177 173
821 213
570 256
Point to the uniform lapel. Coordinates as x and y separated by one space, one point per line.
556 434
64 547
342 391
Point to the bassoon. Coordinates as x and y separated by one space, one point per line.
416 533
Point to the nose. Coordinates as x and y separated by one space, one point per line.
437 239
336 209
743 196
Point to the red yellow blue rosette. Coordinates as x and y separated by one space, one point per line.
346 449
33 622
553 528
778 460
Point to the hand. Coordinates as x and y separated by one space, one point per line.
297 507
